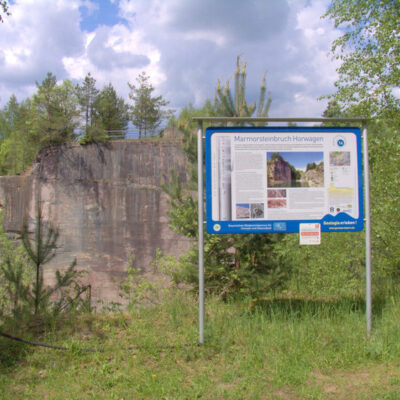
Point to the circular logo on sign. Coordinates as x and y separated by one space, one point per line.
217 227
339 141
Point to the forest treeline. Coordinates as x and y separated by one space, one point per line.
63 112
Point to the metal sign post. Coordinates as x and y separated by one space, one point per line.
240 122
201 229
368 272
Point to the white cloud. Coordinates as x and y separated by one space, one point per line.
34 40
216 38
304 104
185 46
297 79
117 55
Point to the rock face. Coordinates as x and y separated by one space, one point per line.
315 177
279 173
107 203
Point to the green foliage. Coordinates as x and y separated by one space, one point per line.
315 166
4 8
368 77
86 94
275 156
185 119
310 166
227 104
58 113
8 117
93 136
40 251
111 112
189 140
53 113
147 111
370 53
104 114
235 265
334 268
16 148
140 289
296 175
183 207
384 156
15 275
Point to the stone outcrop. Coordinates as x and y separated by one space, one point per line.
279 173
315 177
106 200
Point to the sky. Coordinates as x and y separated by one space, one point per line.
185 46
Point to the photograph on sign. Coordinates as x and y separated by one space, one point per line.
272 179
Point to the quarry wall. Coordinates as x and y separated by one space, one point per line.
106 200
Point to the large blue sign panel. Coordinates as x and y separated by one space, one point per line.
271 179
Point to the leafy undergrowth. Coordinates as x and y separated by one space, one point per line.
275 350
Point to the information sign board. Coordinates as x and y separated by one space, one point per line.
271 179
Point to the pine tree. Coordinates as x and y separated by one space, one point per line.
86 94
17 149
235 105
8 117
40 250
40 247
53 113
147 112
111 112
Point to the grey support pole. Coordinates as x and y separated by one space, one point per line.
368 278
201 228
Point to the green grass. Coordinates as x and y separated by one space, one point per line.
274 349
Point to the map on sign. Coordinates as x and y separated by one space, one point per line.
271 179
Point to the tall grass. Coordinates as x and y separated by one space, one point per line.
280 348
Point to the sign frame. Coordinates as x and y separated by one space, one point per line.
339 222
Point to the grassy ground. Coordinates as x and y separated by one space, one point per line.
276 349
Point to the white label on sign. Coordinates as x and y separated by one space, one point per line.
310 234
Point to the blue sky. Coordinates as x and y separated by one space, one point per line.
184 45
300 159
104 13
